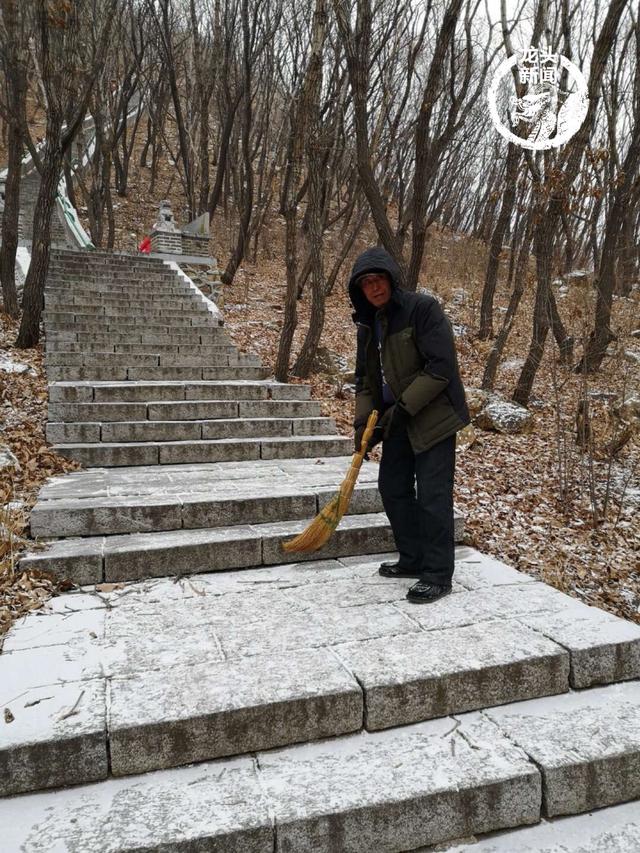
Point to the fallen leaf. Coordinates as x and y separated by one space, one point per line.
109 587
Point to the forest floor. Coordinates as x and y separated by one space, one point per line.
535 500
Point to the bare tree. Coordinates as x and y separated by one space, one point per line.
453 83
315 145
70 42
13 59
620 209
556 188
258 29
298 117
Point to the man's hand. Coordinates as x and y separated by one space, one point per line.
357 437
393 419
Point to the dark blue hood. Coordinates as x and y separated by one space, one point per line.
376 259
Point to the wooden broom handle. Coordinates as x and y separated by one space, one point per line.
368 432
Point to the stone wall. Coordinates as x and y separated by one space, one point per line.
195 244
206 279
166 242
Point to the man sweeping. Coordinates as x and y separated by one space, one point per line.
406 368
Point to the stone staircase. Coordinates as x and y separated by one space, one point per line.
143 374
29 189
177 703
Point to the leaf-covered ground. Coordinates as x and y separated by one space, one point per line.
23 412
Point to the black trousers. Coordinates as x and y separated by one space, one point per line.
417 495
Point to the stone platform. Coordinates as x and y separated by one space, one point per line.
420 723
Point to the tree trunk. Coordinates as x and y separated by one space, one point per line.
519 279
627 267
346 248
225 139
290 320
542 315
68 179
570 245
357 53
315 159
146 146
298 132
604 284
33 297
16 80
10 221
563 339
491 277
304 362
245 191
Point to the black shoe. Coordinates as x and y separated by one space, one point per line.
395 570
424 593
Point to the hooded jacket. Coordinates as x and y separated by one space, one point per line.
418 357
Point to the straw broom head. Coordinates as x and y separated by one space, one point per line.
318 533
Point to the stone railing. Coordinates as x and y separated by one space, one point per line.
68 215
212 301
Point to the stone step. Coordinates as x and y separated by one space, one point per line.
186 552
76 321
222 507
222 806
76 347
112 279
89 322
123 263
132 392
112 282
227 663
610 830
156 374
109 313
187 430
118 454
141 290
240 806
139 293
128 263
200 322
96 257
124 266
182 410
193 337
210 506
148 359
169 308
69 302
69 274
100 312
113 293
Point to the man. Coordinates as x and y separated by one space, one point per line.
406 368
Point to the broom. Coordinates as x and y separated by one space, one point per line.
318 533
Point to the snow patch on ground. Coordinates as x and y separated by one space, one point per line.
8 365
